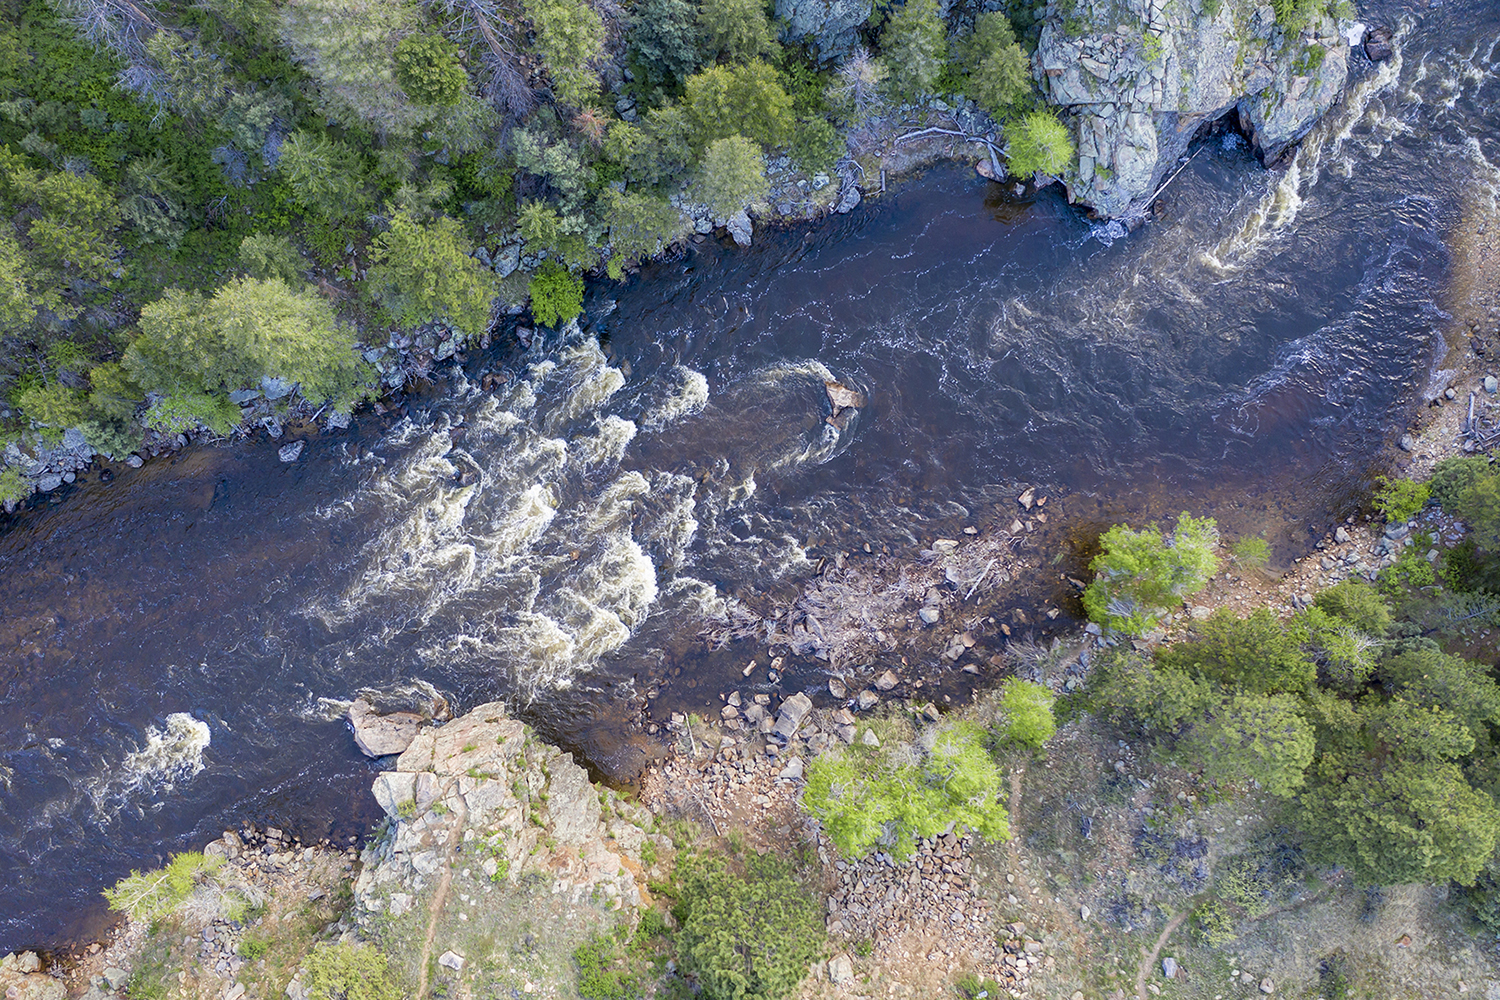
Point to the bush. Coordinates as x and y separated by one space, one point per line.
1212 924
1357 603
1139 574
999 74
746 936
145 896
423 273
893 794
1400 499
1469 488
556 295
427 68
602 971
569 38
1251 552
724 101
189 409
1257 653
914 47
1028 712
1130 689
13 485
349 972
1039 142
731 176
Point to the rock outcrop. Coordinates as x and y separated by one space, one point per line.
1143 77
830 25
479 805
21 979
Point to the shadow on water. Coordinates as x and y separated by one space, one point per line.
178 644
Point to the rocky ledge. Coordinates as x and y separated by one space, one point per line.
1143 77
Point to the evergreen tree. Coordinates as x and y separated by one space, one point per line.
424 273
914 47
349 48
739 100
737 29
427 68
999 74
569 38
664 42
731 176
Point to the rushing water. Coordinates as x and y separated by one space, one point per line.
179 643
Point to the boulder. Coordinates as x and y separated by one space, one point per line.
740 228
380 735
841 970
21 979
291 452
793 711
887 681
1378 45
276 388
1169 968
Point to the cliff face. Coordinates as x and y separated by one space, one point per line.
1142 77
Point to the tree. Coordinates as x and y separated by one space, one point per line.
1260 738
1469 488
737 29
1358 604
999 74
638 226
859 82
900 791
556 295
349 48
1039 142
914 46
1028 712
746 935
326 175
1257 654
17 301
427 68
731 176
1139 574
569 38
424 273
1158 698
248 330
1387 800
664 41
739 100
1425 675
268 255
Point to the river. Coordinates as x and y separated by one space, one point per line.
613 526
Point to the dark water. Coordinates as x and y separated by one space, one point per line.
178 643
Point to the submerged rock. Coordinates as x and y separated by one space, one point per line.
1143 81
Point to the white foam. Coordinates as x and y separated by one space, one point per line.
690 397
171 754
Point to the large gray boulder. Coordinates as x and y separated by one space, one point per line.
1141 78
829 24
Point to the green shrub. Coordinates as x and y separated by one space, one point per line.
1139 574
747 100
54 408
349 972
190 409
13 485
1357 603
1469 488
253 946
731 176
815 145
271 255
1039 142
893 794
1127 688
1028 712
1483 898
423 272
569 38
914 47
427 68
145 896
1251 552
1212 924
747 935
1400 499
556 295
1257 653
1257 738
603 972
997 70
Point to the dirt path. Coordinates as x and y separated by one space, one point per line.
440 897
1149 961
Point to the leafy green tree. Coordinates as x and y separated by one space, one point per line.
1425 675
1345 656
427 68
248 330
1469 488
424 273
999 74
327 175
1386 799
349 972
1028 712
556 295
54 408
898 792
568 238
914 47
1139 574
1260 738
731 176
17 299
1357 603
1039 142
349 48
113 393
270 255
639 225
1257 653
188 409
737 29
149 895
747 935
747 100
668 148
569 38
664 41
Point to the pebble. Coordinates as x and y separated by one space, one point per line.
1491 384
